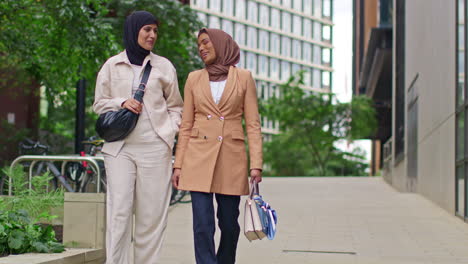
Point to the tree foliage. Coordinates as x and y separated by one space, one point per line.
59 42
310 125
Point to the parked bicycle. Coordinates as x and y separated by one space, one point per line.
29 146
81 174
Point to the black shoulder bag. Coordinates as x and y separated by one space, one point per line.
116 125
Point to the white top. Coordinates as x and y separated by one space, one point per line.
217 89
143 132
136 77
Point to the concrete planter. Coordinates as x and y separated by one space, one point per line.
84 220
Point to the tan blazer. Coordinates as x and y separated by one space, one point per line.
162 97
211 151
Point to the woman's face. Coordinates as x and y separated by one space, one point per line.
147 36
206 49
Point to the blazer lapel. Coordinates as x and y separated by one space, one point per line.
229 88
206 88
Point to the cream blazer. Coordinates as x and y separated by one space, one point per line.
211 150
162 97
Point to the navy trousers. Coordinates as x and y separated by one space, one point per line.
204 227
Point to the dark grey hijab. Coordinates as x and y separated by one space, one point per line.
134 22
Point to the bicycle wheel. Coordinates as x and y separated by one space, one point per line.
75 173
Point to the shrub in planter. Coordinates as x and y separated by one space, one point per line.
21 213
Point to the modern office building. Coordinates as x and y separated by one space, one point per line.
277 38
415 67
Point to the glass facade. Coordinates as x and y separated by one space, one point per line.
277 39
461 178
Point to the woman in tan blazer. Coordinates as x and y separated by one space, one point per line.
139 167
211 156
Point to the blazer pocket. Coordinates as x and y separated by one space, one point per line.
194 133
238 135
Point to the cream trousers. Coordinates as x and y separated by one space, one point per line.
138 183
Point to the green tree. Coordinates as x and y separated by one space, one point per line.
57 43
310 125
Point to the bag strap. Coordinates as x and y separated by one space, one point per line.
254 189
141 89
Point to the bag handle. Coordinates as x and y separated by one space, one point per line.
141 89
254 189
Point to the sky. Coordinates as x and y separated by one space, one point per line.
342 62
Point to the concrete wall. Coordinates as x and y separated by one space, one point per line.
430 55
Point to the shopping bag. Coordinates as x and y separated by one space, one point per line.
259 218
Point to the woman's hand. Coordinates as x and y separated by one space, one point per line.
133 105
255 176
175 178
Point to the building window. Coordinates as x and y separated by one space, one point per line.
286 22
264 15
307 52
215 5
316 79
295 68
307 28
201 3
287 3
252 37
278 2
241 63
297 49
262 65
326 56
317 55
251 62
239 35
326 33
461 130
275 43
274 69
285 46
285 70
203 18
228 7
263 40
240 9
307 7
308 76
275 18
297 22
327 8
253 12
297 5
318 8
227 27
317 31
326 79
214 22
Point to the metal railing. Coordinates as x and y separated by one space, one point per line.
92 160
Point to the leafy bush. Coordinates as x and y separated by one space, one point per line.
19 234
19 215
35 201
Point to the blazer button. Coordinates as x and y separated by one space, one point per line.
220 138
221 118
208 117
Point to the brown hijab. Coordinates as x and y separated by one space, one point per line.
227 53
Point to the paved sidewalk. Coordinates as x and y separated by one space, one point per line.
339 221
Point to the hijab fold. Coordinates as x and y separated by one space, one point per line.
133 23
227 53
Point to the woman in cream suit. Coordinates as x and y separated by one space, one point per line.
139 167
211 156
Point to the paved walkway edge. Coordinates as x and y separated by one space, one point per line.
70 256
